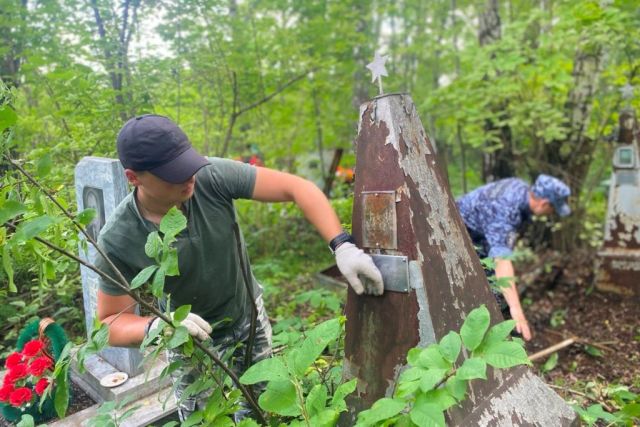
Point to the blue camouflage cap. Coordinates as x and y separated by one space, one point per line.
556 191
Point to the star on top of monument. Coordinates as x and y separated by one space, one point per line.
627 91
377 69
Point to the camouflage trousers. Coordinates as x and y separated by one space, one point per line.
183 377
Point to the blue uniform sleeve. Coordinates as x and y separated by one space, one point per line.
500 235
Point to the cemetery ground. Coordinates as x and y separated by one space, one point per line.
560 303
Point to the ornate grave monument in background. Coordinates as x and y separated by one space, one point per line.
405 216
618 264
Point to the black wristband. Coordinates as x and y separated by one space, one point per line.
340 239
148 326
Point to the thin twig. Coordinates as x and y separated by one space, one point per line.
123 284
584 341
579 393
552 349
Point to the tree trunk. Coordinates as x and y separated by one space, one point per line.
496 163
570 158
12 41
117 64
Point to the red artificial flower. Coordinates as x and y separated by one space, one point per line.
41 386
15 373
12 360
20 396
5 392
39 365
32 348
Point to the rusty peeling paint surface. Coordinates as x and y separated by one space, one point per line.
446 279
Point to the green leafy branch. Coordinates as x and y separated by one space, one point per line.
29 229
285 376
433 383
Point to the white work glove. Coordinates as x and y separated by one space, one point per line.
353 262
196 325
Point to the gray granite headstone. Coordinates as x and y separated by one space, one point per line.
101 184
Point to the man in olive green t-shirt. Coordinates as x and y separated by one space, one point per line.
166 171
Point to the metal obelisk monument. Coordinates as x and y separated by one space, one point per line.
405 216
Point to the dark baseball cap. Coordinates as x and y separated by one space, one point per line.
554 190
155 144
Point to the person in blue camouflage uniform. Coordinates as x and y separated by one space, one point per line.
496 213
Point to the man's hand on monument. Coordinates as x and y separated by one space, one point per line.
522 326
196 325
353 262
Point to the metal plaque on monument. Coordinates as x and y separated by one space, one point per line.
618 263
405 216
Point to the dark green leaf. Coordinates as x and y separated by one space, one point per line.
44 166
142 277
173 223
431 357
505 355
61 396
440 397
180 336
427 414
272 369
315 343
316 400
153 247
592 351
450 346
157 284
26 421
631 410
457 387
8 117
431 377
341 392
498 332
170 263
181 313
381 410
472 368
10 209
551 363
474 327
7 264
280 397
30 229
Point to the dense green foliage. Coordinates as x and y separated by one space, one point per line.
287 77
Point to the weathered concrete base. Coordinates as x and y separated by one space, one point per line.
618 271
134 388
150 409
522 399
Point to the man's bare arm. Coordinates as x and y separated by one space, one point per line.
504 268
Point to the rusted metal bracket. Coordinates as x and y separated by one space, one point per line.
395 272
